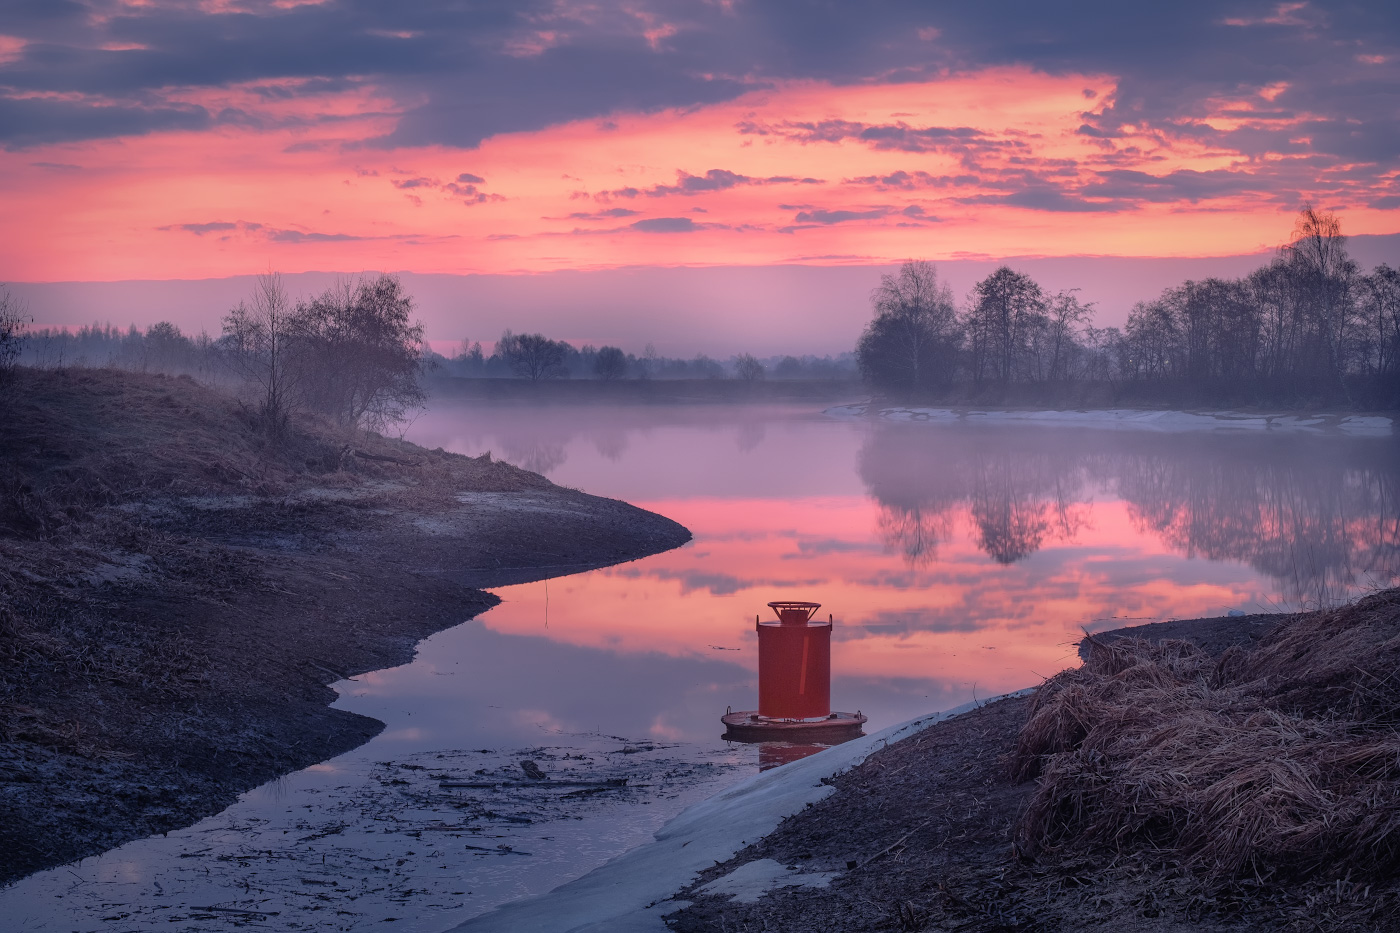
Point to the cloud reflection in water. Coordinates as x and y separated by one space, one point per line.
950 555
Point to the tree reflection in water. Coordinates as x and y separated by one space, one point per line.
915 531
536 454
1320 515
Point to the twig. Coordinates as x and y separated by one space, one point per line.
499 850
611 782
897 843
239 910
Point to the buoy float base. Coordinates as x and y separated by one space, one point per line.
749 726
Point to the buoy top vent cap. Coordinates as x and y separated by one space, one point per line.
790 611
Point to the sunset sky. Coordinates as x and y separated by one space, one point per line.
197 139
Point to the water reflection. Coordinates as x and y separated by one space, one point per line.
537 455
954 555
960 562
1320 518
774 754
1318 515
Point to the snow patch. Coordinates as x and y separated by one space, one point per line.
633 891
1372 425
1132 418
752 880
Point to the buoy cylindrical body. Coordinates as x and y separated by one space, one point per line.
794 668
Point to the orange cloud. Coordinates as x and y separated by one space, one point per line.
991 163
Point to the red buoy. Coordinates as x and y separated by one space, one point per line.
794 663
794 683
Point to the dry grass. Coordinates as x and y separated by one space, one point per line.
1272 764
77 440
90 459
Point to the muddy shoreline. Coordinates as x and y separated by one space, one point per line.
919 833
176 596
923 835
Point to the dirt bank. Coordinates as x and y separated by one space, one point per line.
1277 721
176 592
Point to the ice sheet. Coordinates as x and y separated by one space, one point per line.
632 892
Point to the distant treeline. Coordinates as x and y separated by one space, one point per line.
536 357
352 354
1309 327
164 348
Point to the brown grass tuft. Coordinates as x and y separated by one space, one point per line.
1278 762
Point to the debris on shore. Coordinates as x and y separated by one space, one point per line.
430 838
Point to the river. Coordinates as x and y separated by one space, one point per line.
957 560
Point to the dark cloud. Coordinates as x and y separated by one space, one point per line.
465 71
1182 185
278 235
463 189
810 547
716 179
666 225
299 236
611 213
30 121
909 622
217 226
899 137
908 181
840 217
1043 197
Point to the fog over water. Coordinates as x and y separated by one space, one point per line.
957 560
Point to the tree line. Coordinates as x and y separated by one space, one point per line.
353 353
1309 326
537 357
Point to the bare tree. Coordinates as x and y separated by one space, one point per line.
1271 291
264 340
1380 311
912 341
12 323
1325 274
748 368
165 349
1008 306
649 362
363 352
610 364
1153 341
533 355
1066 314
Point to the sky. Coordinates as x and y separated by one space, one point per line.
160 140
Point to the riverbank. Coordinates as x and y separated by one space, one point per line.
1234 773
1139 419
176 593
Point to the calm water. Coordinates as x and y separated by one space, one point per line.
957 561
